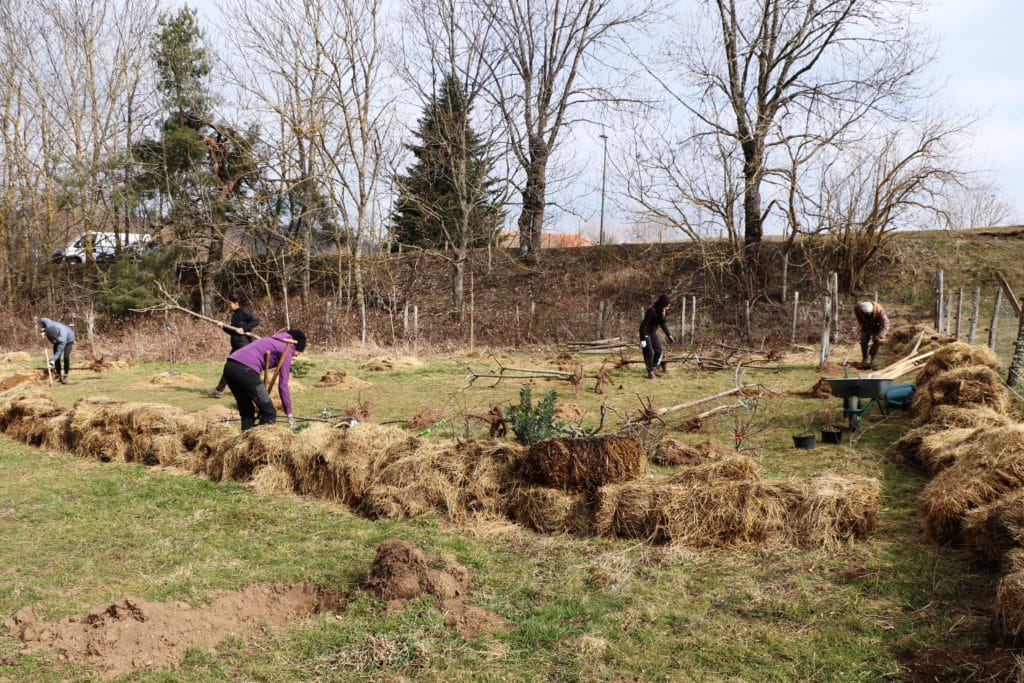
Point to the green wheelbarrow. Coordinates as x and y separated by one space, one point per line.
859 395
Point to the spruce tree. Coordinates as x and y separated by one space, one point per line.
448 196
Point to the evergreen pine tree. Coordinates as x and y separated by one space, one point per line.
448 195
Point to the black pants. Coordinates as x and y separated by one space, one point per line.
67 358
250 395
652 352
234 347
868 353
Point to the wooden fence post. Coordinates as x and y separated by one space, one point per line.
834 286
994 325
682 320
415 321
939 301
949 314
746 319
693 319
959 310
1013 376
796 310
973 326
826 329
405 321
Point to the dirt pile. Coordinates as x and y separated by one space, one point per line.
175 379
401 571
339 378
133 634
392 363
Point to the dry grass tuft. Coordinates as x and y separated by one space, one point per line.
583 464
1008 609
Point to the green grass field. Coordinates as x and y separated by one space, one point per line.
76 534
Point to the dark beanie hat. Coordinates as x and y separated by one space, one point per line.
663 301
300 339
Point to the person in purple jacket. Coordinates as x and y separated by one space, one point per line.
242 372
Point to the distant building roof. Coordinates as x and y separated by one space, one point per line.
549 240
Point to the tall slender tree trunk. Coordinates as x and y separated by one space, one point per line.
531 219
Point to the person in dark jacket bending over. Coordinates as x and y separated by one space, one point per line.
654 317
242 322
242 372
874 325
63 338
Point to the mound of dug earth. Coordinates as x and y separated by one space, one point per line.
175 379
389 363
134 634
340 379
401 571
671 452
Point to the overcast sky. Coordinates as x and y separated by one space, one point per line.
980 46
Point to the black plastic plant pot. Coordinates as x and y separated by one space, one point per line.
831 436
804 441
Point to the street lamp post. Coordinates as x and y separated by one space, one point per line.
604 169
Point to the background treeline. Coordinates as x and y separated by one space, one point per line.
300 143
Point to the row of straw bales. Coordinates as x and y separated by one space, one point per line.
965 439
593 486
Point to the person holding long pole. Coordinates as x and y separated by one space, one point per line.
243 372
239 330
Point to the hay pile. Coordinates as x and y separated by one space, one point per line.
340 379
582 464
970 386
672 453
941 418
902 339
550 511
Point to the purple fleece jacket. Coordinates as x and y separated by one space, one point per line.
251 356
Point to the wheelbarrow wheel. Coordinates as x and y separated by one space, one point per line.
854 422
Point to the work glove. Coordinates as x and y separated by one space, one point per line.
671 339
292 422
643 344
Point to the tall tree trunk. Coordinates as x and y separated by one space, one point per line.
752 172
211 268
531 219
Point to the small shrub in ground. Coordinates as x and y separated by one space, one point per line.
301 368
532 423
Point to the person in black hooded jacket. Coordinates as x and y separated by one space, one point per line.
650 344
242 323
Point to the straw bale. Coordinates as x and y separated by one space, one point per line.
175 379
24 413
386 502
272 479
488 478
205 446
261 445
340 379
733 467
672 452
428 477
335 463
1008 609
550 511
988 467
975 385
953 356
992 531
697 514
93 429
941 418
55 433
827 509
583 464
939 450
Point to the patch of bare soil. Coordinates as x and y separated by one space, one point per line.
175 379
570 412
340 379
401 571
134 634
935 664
17 378
219 412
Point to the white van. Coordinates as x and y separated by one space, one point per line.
104 246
